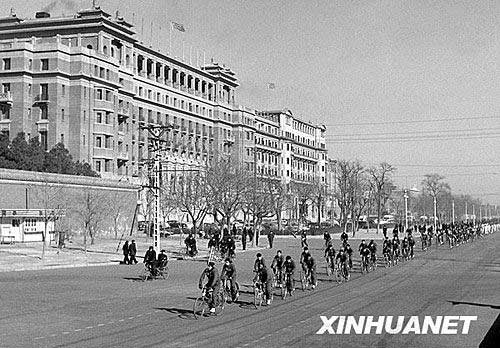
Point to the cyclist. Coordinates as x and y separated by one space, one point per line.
190 242
411 244
349 252
361 245
289 269
365 253
395 248
341 260
264 278
162 259
230 246
303 238
228 274
387 249
277 267
430 233
373 251
303 257
212 285
310 264
344 237
327 237
404 248
213 242
259 260
150 260
330 255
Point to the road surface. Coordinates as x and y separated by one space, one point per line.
110 307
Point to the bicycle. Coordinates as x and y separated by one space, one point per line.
364 264
201 305
162 272
342 273
330 266
387 259
214 255
373 261
305 279
278 278
226 289
259 294
288 288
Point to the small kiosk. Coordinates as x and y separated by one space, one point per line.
27 225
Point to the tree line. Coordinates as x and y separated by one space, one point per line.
29 155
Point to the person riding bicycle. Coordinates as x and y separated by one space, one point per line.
341 260
365 253
327 237
162 259
289 269
264 278
230 246
258 260
387 247
190 243
310 264
373 251
303 257
349 252
303 238
395 247
411 244
330 255
404 247
362 245
213 242
228 274
344 237
150 260
212 285
277 267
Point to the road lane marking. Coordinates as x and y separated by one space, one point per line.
78 330
89 327
65 333
99 325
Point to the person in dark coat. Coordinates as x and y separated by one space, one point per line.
250 234
235 231
125 253
244 237
132 251
270 238
150 256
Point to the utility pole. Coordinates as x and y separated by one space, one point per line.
453 211
435 213
155 133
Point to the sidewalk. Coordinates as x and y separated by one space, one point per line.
27 256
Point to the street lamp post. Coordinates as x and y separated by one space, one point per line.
453 212
406 196
435 213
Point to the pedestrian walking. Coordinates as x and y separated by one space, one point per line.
235 231
244 237
125 249
384 231
250 234
270 238
132 251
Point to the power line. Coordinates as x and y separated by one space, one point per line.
445 165
422 138
413 121
424 132
448 174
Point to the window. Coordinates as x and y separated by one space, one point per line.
62 138
5 87
62 115
98 94
44 115
84 140
63 90
84 115
30 64
45 64
98 141
98 166
6 64
44 140
98 118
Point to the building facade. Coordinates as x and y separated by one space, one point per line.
88 82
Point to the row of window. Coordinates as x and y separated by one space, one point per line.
44 64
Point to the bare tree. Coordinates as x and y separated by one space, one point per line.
434 185
49 197
348 173
192 197
381 177
117 209
92 211
318 195
279 198
226 185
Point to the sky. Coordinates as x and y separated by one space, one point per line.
412 83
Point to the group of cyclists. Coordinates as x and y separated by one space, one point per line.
282 268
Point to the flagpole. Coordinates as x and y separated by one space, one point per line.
170 39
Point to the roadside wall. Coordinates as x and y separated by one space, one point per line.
112 200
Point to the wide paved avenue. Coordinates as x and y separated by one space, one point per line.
110 307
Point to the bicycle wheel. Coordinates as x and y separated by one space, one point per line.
257 297
338 275
220 303
144 274
200 307
328 268
303 281
165 273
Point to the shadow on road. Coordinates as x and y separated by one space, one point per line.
134 279
182 313
474 304
492 336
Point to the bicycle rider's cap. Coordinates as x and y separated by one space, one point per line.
288 257
211 263
228 259
259 254
162 251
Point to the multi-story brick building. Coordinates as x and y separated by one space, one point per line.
87 81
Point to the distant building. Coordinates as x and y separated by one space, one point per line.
27 225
